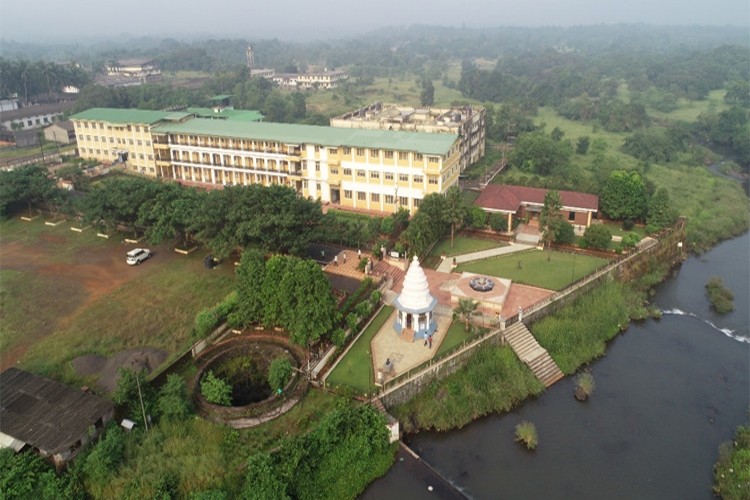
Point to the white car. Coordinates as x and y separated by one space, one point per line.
138 255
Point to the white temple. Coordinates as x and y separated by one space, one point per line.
415 305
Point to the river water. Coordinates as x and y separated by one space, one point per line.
668 392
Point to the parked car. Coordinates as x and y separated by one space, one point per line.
138 255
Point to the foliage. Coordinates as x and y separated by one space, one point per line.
732 469
661 213
476 217
347 450
207 320
353 229
493 380
28 79
625 196
427 96
279 372
721 297
30 186
550 217
173 401
104 459
582 145
538 153
617 116
596 236
465 309
630 240
135 394
498 222
25 475
216 390
526 434
429 224
585 383
454 211
250 278
564 233
656 145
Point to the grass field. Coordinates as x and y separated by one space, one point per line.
66 294
355 369
455 335
462 245
545 269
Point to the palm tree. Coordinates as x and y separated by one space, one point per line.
550 217
465 309
455 212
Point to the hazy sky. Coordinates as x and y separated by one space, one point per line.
28 19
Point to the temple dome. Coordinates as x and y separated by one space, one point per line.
415 295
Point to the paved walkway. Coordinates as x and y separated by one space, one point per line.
447 264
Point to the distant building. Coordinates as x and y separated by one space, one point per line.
61 132
33 117
521 201
49 417
316 80
130 73
468 122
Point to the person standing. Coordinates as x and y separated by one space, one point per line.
336 260
359 254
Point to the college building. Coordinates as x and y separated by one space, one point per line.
467 122
373 170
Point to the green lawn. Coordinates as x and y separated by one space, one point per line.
545 269
455 335
616 229
462 245
355 369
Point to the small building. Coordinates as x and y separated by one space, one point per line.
26 138
521 201
415 305
33 116
61 132
53 419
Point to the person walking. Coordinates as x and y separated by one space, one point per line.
344 257
336 260
359 254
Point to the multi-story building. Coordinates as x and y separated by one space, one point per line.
315 80
357 168
468 122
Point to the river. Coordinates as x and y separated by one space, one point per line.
668 392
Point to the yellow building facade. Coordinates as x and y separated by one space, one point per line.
369 170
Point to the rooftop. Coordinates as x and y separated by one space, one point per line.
46 414
506 198
241 115
431 144
139 116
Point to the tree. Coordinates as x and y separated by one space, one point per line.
25 475
498 222
31 186
597 236
104 460
661 214
134 393
172 402
624 196
262 481
427 96
582 146
454 210
476 217
538 153
250 278
550 217
465 309
279 372
564 232
216 390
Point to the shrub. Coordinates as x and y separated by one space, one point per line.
597 236
352 320
498 222
279 372
338 337
172 401
630 240
387 225
216 390
476 218
526 434
584 385
721 297
205 321
732 469
628 224
375 297
564 232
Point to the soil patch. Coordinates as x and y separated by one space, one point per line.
107 369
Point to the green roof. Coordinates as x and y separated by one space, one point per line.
240 115
419 142
220 97
114 115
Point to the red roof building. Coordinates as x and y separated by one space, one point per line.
520 201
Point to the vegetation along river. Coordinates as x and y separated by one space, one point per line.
668 392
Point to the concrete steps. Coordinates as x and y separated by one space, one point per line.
529 351
391 273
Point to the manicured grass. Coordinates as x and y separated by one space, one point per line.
355 369
454 336
493 380
616 229
545 269
462 245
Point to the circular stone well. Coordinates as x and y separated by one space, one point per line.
243 362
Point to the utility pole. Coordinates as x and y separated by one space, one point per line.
140 396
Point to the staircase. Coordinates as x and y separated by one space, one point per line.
392 274
530 352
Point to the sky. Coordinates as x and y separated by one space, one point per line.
42 20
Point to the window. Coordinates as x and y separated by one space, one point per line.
361 173
417 202
347 171
96 138
403 200
571 216
360 151
148 143
130 141
317 166
418 157
150 157
137 128
140 142
317 148
347 194
112 140
389 176
432 159
333 151
375 198
347 151
403 177
361 196
88 137
389 199
374 175
418 179
403 156
140 155
334 171
85 124
374 152
432 179
389 155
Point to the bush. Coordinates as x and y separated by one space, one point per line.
375 297
476 218
526 434
387 225
628 224
721 297
173 401
564 233
630 240
584 385
498 222
732 469
279 373
597 236
338 337
216 390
